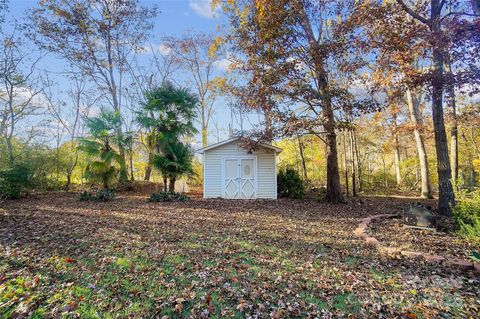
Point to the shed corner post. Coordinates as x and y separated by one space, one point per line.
275 172
203 159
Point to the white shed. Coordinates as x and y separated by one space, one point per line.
234 172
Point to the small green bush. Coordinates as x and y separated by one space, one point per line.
13 181
467 216
102 195
168 197
290 184
85 196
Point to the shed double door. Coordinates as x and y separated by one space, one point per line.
239 178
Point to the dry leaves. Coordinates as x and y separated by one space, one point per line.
212 259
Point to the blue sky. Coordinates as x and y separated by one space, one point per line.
174 18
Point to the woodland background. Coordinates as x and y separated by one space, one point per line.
254 76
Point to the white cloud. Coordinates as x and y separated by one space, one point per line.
23 95
164 49
222 65
203 8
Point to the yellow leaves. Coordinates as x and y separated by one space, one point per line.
261 6
376 118
219 84
476 164
215 46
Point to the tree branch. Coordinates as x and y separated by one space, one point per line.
415 15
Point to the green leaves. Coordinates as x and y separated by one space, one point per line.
169 113
290 184
103 146
169 109
176 160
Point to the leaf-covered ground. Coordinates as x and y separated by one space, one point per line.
391 232
213 259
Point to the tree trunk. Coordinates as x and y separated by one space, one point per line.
123 175
446 197
345 162
171 185
70 171
352 163
9 135
398 174
385 180
11 156
454 128
148 173
416 119
359 166
334 191
165 184
203 120
105 182
69 181
132 176
302 155
267 115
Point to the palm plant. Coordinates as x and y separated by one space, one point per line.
174 163
102 146
168 114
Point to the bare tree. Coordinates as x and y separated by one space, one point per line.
193 53
19 87
146 77
69 115
98 37
413 102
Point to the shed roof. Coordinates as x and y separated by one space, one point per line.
269 146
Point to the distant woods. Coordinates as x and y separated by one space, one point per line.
364 96
331 68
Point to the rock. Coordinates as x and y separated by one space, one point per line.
391 250
433 258
476 267
366 220
359 231
372 241
419 216
411 254
362 225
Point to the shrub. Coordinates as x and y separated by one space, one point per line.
103 195
13 181
467 215
290 184
168 197
85 196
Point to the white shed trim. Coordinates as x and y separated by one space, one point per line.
276 149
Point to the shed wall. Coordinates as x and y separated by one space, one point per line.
212 178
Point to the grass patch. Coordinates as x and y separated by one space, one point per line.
347 303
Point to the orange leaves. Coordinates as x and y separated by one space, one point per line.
208 300
69 260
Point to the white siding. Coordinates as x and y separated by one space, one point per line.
266 174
